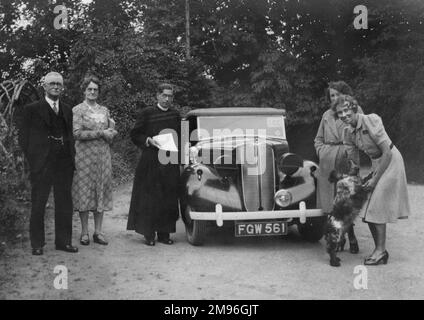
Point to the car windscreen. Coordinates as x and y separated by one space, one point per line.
231 126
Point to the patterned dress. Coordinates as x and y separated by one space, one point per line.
92 186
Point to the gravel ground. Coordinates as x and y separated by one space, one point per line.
224 268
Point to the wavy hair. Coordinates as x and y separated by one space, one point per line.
87 80
339 86
341 100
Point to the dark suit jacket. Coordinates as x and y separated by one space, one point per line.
34 129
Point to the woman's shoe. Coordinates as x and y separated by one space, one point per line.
85 239
100 239
384 258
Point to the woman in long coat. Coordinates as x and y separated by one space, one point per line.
332 153
154 199
388 197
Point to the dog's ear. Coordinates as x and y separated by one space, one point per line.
360 195
333 177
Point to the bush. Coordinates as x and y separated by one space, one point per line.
14 195
124 157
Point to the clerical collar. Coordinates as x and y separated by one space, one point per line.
50 102
162 108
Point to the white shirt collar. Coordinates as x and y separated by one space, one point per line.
50 102
162 108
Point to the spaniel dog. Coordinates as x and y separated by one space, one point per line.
348 202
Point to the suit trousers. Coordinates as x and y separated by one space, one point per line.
57 172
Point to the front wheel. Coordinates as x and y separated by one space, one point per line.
195 230
313 229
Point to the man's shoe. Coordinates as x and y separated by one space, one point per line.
37 251
166 241
164 238
149 242
67 248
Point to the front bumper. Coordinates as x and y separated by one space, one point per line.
302 213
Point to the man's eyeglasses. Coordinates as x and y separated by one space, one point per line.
55 84
169 96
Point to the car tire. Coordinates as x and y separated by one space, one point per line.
313 229
195 230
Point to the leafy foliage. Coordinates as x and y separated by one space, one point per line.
243 53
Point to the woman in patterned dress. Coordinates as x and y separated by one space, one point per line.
388 197
94 131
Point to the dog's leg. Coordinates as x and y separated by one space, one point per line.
353 242
332 239
342 243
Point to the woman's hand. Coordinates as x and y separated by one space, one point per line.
108 135
370 184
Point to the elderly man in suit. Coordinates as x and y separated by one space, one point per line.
46 139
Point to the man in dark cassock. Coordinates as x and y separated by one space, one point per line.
154 199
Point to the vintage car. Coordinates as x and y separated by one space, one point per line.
241 172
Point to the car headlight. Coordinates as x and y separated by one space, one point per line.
283 198
289 163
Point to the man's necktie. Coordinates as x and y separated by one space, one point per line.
55 108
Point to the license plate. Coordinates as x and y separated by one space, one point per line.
260 228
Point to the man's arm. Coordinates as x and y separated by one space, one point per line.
138 135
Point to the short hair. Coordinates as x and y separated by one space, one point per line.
341 100
164 86
51 74
340 86
87 80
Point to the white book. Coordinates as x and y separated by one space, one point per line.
166 142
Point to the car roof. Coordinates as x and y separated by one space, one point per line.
235 111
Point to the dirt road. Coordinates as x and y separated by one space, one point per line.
225 268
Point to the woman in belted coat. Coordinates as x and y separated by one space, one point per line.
388 197
332 153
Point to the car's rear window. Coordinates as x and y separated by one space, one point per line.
266 126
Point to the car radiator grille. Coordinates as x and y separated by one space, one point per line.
257 176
